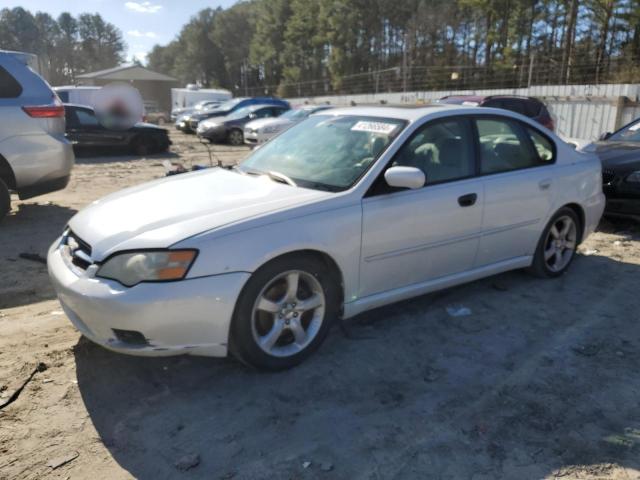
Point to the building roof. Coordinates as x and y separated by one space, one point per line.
127 72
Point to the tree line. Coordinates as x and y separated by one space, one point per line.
66 46
294 47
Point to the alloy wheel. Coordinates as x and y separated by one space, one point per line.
560 243
236 137
288 313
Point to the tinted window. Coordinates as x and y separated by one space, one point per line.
504 146
9 86
544 147
533 108
87 118
514 105
63 96
443 150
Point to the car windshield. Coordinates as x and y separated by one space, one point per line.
240 113
630 133
297 114
325 152
229 104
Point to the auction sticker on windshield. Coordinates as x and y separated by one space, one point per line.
374 127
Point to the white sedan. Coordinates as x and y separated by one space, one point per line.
346 211
256 132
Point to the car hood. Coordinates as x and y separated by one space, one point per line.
616 154
264 122
163 212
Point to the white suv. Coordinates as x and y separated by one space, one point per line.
35 157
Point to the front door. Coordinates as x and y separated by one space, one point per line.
411 236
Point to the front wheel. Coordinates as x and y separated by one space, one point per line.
557 246
236 137
284 313
5 200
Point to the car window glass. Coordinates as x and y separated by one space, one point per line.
492 104
9 86
264 113
532 109
503 146
513 105
543 146
63 96
86 118
443 150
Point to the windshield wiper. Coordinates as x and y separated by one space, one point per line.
281 177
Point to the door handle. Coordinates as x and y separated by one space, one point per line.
544 184
467 200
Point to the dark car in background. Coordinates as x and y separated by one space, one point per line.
230 128
619 153
528 106
191 121
85 131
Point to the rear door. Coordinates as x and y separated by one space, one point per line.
412 236
516 164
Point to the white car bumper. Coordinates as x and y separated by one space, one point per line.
191 316
251 137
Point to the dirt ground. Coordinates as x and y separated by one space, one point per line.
541 380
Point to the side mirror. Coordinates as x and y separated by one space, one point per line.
604 136
252 116
405 177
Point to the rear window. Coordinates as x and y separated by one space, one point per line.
533 108
9 86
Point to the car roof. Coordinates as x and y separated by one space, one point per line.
409 113
482 98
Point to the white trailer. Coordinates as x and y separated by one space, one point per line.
182 98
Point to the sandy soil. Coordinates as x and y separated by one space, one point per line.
541 380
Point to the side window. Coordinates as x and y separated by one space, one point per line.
443 150
63 96
70 117
533 108
544 147
504 146
9 86
264 113
87 118
514 105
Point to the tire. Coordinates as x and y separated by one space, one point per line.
272 328
140 146
556 251
5 200
236 137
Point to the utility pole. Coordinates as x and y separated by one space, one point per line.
533 56
404 63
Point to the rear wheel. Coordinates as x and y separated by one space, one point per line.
557 246
284 313
236 137
5 200
141 146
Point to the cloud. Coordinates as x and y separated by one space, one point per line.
139 34
143 7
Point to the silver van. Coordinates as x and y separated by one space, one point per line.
35 156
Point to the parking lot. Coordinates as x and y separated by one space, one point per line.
540 379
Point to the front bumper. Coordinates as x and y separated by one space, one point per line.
191 316
251 137
215 134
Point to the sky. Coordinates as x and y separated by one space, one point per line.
143 23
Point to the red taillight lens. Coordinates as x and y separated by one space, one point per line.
45 111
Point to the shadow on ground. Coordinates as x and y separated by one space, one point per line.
30 229
540 378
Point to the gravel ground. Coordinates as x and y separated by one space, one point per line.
539 381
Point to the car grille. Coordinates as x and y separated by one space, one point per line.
608 176
79 249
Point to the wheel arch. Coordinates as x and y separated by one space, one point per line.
320 255
579 211
6 174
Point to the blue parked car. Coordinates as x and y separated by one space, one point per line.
189 124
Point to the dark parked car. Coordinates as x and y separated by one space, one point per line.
231 127
85 131
527 106
619 153
228 107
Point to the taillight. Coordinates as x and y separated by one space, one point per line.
55 109
45 111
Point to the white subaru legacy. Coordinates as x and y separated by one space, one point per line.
346 211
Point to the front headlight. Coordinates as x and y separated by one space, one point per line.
132 268
634 177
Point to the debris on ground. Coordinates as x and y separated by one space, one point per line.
590 251
187 462
326 466
587 350
61 461
34 257
306 465
458 311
